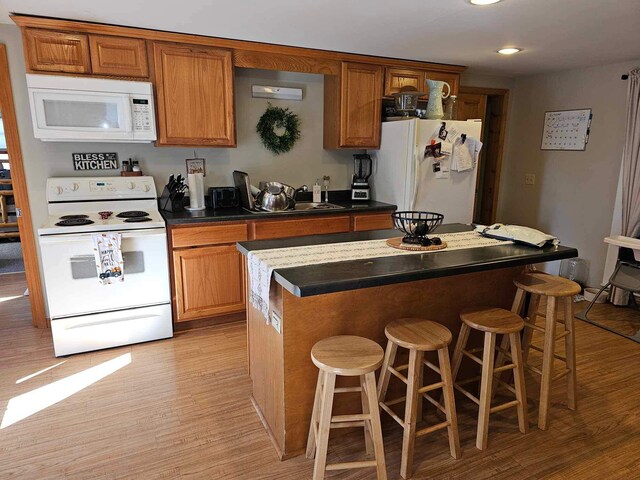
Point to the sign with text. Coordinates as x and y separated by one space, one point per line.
95 161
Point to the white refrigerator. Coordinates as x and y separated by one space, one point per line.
400 179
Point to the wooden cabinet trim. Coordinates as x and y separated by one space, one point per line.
53 51
118 56
194 236
158 35
298 227
372 221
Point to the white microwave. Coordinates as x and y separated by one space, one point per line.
79 109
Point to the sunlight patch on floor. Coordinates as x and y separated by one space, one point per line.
27 404
6 299
28 377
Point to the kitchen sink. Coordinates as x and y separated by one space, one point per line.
303 206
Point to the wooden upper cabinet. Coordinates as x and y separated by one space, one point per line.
353 103
396 78
51 51
121 56
194 87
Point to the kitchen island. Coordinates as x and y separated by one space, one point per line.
360 297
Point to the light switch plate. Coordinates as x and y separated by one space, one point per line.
276 322
529 178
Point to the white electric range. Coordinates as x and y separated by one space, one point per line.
85 314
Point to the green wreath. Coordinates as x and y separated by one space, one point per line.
276 117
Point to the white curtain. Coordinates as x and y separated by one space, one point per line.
631 170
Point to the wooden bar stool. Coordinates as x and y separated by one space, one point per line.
418 336
493 322
349 356
555 289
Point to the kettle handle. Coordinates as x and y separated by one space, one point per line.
448 90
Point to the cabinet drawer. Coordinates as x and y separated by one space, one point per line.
121 56
378 221
300 227
51 51
208 235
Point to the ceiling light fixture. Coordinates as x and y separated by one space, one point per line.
509 51
483 2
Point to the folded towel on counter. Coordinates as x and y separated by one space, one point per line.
517 233
108 254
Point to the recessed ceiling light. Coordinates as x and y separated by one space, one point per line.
483 2
509 51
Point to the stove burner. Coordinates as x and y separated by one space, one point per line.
74 222
136 219
72 217
133 214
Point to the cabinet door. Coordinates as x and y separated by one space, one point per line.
396 78
209 281
372 221
195 95
360 105
126 57
300 227
51 51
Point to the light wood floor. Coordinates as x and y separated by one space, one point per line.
181 409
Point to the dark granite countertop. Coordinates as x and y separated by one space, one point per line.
340 276
340 198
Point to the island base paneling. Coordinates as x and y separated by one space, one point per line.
281 370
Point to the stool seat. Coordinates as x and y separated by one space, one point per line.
493 320
418 334
547 285
347 355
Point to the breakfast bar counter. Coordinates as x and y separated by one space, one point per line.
359 297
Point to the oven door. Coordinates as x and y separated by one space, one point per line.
71 278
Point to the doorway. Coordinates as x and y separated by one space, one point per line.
15 216
491 105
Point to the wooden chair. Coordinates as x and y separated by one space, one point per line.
349 356
418 336
554 289
493 322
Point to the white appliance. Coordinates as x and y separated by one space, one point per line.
81 109
395 178
85 314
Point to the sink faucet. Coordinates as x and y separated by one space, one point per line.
326 179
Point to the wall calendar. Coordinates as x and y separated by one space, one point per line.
566 130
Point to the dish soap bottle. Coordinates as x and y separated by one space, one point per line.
317 192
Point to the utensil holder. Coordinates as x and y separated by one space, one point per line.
171 202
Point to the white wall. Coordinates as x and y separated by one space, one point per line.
575 192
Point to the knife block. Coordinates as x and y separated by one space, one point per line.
171 202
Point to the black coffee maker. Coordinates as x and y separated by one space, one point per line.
360 188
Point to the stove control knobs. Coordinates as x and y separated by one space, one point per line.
146 188
59 190
75 186
132 185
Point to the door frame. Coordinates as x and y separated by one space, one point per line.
19 185
502 92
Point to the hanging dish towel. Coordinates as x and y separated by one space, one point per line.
526 235
108 254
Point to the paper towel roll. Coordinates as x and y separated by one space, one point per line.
196 191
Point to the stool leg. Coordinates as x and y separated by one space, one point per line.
365 409
449 401
488 356
570 347
376 428
534 304
385 374
518 379
311 439
547 363
325 426
516 307
411 410
463 336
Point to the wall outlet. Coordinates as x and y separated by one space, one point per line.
529 178
276 322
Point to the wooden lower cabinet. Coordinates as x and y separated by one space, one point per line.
208 281
263 230
378 221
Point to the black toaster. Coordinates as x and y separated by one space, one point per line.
223 197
